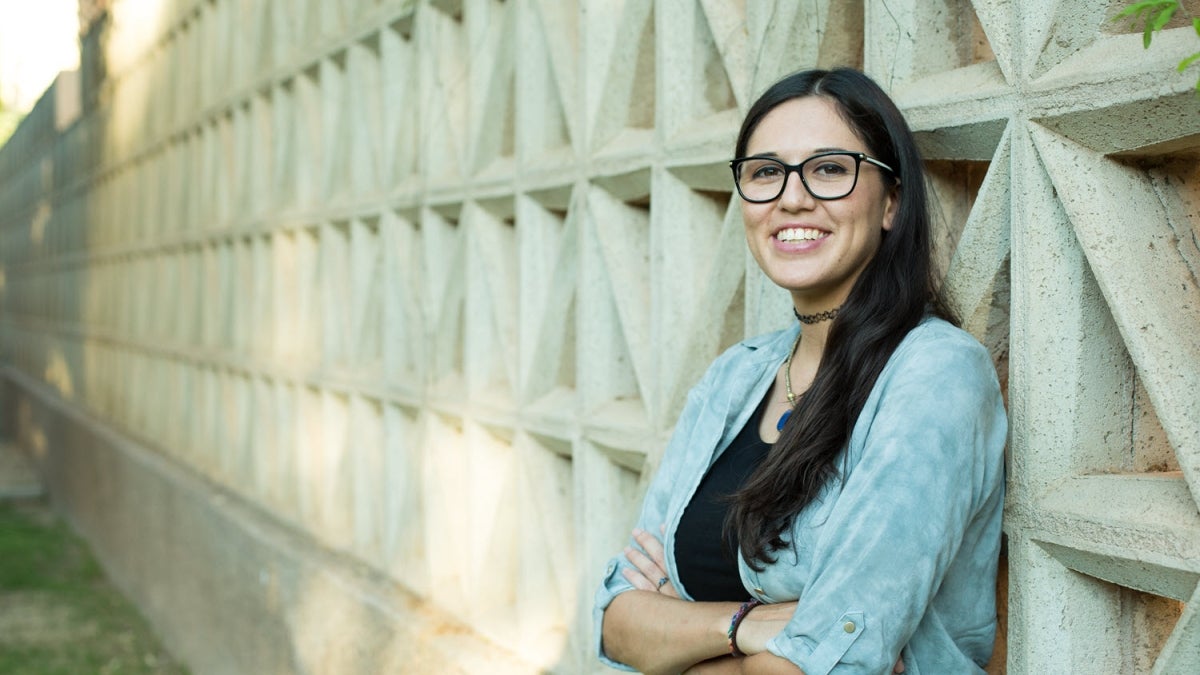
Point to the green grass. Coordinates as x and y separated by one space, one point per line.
58 614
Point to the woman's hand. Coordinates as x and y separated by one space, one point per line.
760 625
654 630
651 566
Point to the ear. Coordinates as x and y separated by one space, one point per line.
890 206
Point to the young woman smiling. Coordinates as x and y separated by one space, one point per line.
830 500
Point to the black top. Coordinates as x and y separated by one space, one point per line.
705 558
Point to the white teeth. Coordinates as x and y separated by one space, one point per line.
799 234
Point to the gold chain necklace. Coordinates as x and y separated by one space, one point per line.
787 383
827 315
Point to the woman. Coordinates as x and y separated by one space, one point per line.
830 500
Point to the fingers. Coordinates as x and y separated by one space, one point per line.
652 546
646 566
899 668
650 564
639 581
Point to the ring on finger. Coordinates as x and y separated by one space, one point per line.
661 582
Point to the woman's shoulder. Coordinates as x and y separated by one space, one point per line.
744 358
768 346
933 330
936 345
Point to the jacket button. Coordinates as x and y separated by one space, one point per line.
758 590
849 627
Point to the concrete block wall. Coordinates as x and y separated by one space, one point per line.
419 287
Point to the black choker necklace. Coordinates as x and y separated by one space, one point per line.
809 319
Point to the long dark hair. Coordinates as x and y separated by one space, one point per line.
894 292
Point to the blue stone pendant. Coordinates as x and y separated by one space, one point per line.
783 420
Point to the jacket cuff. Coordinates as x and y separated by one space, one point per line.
821 657
613 585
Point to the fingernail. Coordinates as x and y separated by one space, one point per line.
637 531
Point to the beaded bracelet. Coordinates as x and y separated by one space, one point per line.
737 621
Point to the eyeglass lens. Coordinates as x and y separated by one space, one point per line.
826 176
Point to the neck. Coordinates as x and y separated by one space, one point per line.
815 320
813 344
818 307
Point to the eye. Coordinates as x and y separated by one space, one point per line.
830 169
765 171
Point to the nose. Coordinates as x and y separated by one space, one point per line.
795 194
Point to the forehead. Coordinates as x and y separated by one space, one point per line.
801 126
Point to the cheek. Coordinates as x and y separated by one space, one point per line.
754 218
868 229
751 214
871 217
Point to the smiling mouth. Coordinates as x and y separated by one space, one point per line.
800 234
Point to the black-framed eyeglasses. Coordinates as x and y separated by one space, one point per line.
826 176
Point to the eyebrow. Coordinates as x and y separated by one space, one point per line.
775 155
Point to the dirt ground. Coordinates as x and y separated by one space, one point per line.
58 614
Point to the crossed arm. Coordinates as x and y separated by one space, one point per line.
655 631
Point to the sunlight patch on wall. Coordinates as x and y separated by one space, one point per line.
37 41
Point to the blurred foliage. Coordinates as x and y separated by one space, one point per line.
1155 15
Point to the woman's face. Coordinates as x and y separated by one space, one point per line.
814 248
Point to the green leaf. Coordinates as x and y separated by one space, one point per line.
1128 12
1196 24
1138 8
1163 17
1189 61
1156 15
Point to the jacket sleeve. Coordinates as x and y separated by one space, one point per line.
655 504
929 462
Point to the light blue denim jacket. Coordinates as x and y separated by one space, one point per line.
900 550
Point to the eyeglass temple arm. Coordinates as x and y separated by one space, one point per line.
872 160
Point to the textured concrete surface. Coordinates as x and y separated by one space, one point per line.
18 480
230 589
